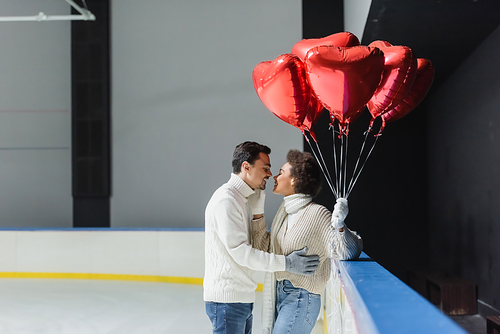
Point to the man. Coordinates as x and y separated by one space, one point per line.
230 259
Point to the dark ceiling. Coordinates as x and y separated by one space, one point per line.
443 31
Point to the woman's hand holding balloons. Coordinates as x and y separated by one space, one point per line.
340 211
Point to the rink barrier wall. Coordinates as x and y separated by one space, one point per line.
167 255
162 255
363 297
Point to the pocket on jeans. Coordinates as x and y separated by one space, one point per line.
289 288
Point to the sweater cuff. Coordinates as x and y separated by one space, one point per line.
280 262
259 223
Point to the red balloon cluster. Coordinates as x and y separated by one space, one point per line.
339 74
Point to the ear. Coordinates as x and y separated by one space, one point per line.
245 166
292 182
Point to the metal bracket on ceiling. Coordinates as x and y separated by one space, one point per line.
85 15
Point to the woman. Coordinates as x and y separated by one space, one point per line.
292 302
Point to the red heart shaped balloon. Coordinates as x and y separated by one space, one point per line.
281 86
420 88
339 39
312 116
400 69
344 78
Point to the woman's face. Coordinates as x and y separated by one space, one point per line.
283 182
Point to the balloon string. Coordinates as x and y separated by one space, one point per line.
337 180
329 178
357 162
345 164
369 153
320 165
341 166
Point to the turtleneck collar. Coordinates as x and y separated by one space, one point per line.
241 186
295 202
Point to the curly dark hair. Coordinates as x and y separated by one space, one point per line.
248 151
306 172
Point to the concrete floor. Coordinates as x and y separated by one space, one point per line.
49 306
474 324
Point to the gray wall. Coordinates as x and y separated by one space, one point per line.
464 172
183 98
35 100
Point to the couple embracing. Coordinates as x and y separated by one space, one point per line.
295 254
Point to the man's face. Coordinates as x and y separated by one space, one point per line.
259 172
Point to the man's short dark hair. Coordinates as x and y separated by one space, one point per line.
248 151
306 172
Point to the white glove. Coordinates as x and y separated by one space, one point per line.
256 202
340 211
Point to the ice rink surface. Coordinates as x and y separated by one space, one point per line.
50 306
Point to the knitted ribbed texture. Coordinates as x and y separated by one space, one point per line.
293 203
312 229
268 303
347 245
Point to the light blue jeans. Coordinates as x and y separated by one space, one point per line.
296 309
230 318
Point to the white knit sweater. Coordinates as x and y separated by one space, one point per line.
230 258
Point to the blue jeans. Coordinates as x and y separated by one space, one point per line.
230 318
296 309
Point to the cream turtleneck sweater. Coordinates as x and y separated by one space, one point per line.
312 228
